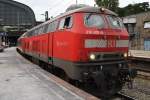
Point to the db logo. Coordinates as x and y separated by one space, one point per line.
111 43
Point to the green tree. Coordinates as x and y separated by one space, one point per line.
109 4
133 9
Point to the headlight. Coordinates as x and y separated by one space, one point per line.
92 57
125 55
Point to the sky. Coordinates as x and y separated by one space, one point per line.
55 7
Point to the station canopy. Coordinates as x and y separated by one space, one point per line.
16 15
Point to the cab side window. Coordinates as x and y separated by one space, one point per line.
61 24
65 23
68 22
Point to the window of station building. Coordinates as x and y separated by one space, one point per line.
147 25
65 23
131 28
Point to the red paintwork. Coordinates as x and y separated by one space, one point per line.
68 44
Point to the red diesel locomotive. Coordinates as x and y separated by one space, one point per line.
90 44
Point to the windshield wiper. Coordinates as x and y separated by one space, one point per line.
89 16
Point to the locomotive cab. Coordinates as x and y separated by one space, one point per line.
95 49
100 50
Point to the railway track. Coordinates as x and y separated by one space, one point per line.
142 65
121 96
140 89
143 73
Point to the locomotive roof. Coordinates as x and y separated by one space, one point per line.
92 10
87 9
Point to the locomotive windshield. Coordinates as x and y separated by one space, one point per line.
97 20
94 20
115 22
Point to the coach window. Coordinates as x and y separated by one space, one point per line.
52 26
49 28
55 25
34 32
29 34
40 30
65 23
45 28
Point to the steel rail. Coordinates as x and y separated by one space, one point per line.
124 96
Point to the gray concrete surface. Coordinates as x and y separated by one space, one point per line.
139 53
22 80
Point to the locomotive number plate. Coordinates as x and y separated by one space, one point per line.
111 43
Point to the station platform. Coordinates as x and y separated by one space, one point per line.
139 55
22 80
